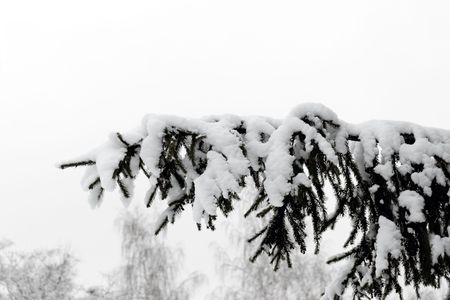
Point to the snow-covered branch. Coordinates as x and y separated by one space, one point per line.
391 178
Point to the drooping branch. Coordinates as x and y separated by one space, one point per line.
392 179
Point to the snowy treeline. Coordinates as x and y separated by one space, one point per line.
150 270
36 275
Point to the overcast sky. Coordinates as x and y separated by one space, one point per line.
73 71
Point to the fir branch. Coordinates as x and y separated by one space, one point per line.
76 164
123 188
361 180
121 139
94 183
142 167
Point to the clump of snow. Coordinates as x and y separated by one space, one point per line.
279 159
388 242
414 203
107 160
312 110
385 170
216 181
257 146
94 198
279 162
439 246
374 188
302 179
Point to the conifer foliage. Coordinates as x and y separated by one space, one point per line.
391 179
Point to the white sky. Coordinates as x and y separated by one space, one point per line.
73 71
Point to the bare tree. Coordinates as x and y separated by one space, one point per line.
244 280
150 267
36 275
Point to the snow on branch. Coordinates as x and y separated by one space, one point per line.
391 178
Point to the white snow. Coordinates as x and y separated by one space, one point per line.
414 203
279 160
439 246
302 179
385 170
256 147
311 110
217 180
106 161
388 242
374 188
94 198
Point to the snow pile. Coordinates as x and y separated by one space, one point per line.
215 182
414 203
439 246
388 243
